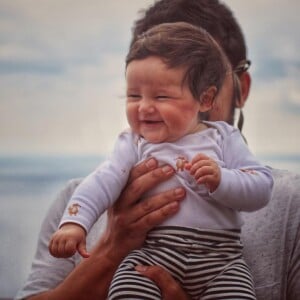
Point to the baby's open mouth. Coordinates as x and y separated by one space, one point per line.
151 121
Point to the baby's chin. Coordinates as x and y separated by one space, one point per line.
153 140
157 139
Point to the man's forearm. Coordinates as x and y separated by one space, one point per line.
89 280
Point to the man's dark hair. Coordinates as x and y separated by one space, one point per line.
212 15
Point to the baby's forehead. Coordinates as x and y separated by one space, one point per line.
155 70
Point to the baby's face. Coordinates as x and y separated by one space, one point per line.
159 107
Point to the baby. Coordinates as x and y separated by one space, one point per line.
173 74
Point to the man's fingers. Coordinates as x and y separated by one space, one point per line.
142 168
154 210
169 287
156 217
151 212
140 185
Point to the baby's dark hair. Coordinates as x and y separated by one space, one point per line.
183 45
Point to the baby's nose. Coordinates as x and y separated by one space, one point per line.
146 105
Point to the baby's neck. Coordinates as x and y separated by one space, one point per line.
200 127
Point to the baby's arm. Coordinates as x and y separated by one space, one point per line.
245 185
100 189
68 239
241 183
206 171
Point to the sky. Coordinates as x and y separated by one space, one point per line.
62 74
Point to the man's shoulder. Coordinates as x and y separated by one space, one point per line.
281 174
286 181
285 196
273 232
222 127
286 190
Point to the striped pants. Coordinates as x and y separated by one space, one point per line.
207 263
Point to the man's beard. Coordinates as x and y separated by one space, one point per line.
232 114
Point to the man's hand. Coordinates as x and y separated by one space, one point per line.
129 220
169 287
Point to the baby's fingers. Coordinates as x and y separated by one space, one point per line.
57 248
201 165
202 172
69 248
82 250
211 181
199 157
53 247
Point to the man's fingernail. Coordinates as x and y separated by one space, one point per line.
174 206
141 268
151 163
179 192
167 170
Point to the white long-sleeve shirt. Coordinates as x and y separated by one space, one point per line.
246 185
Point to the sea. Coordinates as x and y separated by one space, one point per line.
28 185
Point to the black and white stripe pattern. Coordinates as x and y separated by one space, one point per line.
207 263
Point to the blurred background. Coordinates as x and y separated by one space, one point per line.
62 101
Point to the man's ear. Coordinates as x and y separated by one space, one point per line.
207 99
245 85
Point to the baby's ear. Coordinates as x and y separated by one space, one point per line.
207 99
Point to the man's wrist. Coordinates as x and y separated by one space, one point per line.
108 252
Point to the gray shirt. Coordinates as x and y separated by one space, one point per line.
271 238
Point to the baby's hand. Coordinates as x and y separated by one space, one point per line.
67 240
206 171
